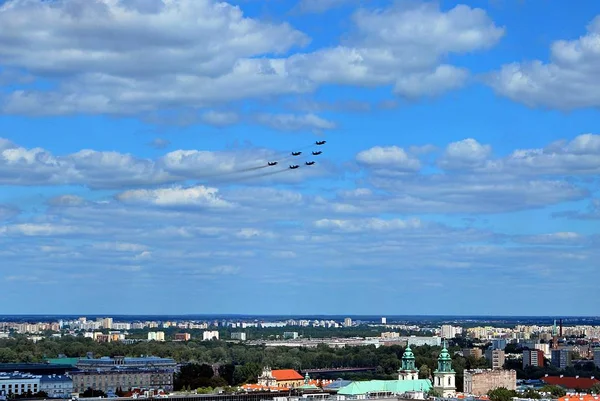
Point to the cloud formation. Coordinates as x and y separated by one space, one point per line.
201 54
568 81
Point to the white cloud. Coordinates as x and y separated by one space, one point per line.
220 119
390 157
367 225
199 55
198 196
568 81
292 122
467 153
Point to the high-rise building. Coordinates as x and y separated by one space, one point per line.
347 322
383 320
156 336
474 352
238 336
496 356
597 358
499 343
533 357
210 335
561 358
449 331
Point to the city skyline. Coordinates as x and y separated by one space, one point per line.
459 173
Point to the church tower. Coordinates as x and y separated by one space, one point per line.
444 376
408 371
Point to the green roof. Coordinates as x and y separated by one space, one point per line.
63 361
380 386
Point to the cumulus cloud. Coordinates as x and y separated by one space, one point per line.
201 54
95 169
198 196
568 81
292 122
390 157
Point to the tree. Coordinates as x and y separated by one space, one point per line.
502 394
595 389
434 393
226 372
531 393
556 391
424 372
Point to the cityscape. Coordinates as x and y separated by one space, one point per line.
299 200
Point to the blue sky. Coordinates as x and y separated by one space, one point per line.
460 173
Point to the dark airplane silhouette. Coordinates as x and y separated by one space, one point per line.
320 142
296 153
316 153
309 163
295 166
272 163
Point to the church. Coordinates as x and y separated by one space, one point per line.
443 377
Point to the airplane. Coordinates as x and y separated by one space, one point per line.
296 153
295 166
272 163
320 142
309 163
316 153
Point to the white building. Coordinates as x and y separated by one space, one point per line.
238 336
347 322
444 377
449 331
414 341
19 383
56 386
156 336
383 320
210 335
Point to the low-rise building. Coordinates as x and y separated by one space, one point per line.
56 386
106 363
109 381
288 378
156 336
183 337
17 383
210 335
239 336
479 381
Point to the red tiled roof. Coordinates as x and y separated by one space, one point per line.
286 374
571 382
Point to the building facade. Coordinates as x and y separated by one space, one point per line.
474 352
478 382
16 383
287 378
496 357
533 357
444 376
561 358
109 381
210 335
56 386
106 363
597 358
239 336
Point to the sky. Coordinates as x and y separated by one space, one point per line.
460 172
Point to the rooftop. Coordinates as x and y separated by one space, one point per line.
582 383
286 374
382 386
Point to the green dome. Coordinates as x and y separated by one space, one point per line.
408 354
444 355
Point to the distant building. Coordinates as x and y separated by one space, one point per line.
449 331
420 341
239 336
478 382
290 335
16 383
156 336
56 386
496 357
597 358
280 378
347 322
474 352
183 337
109 381
533 357
383 320
210 335
561 358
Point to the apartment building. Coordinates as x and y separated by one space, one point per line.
122 378
533 357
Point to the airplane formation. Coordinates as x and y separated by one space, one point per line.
309 163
